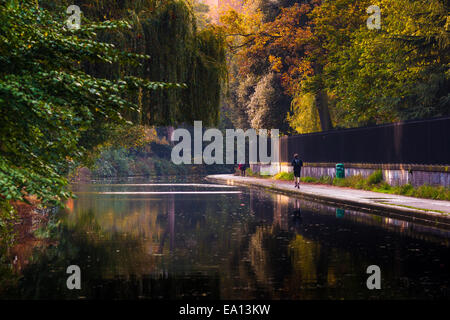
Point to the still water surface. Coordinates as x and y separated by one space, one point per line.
175 239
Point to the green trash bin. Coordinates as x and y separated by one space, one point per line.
340 171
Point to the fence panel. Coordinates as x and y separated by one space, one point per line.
410 142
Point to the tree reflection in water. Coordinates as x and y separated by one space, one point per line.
245 245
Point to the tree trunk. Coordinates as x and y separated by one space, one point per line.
321 100
322 108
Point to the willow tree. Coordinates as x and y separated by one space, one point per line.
179 52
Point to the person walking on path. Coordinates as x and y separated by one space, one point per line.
242 167
297 164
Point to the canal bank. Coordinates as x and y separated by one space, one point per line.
434 212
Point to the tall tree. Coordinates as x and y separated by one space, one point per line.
49 102
285 45
398 72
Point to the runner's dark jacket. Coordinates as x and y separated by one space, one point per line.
297 164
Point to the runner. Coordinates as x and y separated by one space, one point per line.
297 164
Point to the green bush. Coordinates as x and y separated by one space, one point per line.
123 168
159 167
375 177
383 187
249 172
288 176
356 181
425 191
326 180
432 192
141 168
308 179
104 168
406 190
7 213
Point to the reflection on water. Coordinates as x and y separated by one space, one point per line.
154 239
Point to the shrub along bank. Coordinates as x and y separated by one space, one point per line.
145 161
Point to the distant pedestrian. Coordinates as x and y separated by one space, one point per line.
242 167
297 164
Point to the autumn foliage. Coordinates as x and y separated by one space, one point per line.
334 70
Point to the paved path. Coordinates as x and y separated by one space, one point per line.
431 210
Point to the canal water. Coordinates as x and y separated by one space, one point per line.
178 239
